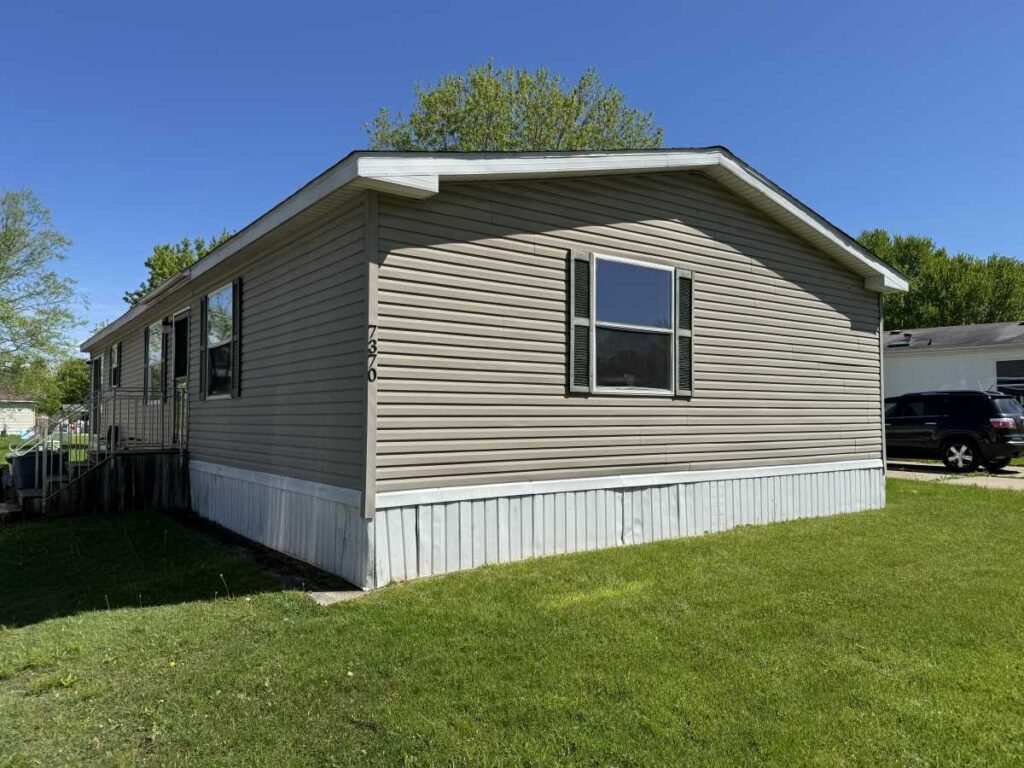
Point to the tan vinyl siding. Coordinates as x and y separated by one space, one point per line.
472 307
301 408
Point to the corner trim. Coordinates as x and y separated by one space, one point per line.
466 493
372 260
347 496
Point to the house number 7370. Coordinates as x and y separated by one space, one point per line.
371 353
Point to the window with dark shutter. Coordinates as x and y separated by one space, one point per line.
630 328
202 347
684 333
236 338
219 354
166 365
580 320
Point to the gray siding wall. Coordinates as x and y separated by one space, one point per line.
301 409
472 317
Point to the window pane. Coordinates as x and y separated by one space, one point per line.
156 339
218 317
911 408
634 295
1008 406
154 359
220 370
633 359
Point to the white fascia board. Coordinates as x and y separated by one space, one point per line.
331 180
419 176
427 172
455 166
880 277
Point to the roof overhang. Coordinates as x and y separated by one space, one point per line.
420 175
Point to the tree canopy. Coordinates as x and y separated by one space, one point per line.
36 314
498 110
947 289
51 384
168 259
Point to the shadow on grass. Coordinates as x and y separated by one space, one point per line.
52 568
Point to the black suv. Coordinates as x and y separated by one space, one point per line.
963 429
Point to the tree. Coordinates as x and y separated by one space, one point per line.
72 380
168 259
944 289
51 384
35 302
492 110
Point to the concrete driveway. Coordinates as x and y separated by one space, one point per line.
1011 478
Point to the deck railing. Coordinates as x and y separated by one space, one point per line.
125 419
113 421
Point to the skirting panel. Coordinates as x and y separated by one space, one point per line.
317 524
426 539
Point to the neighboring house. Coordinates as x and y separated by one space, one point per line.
16 413
419 363
989 356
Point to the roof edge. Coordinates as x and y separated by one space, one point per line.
419 176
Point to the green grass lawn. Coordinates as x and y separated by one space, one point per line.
893 637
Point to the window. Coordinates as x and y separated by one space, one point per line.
930 405
970 406
890 407
154 375
1008 406
114 356
220 341
639 331
1010 378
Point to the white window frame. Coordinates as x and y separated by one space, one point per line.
595 323
207 368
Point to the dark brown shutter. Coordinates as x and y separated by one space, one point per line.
120 356
202 347
165 346
580 317
236 338
684 333
145 365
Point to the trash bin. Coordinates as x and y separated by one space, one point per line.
23 470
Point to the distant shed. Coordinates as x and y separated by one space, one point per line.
16 413
985 356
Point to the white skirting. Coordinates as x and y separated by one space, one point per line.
316 523
445 530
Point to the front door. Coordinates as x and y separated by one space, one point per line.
180 377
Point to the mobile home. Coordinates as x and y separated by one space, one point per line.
420 363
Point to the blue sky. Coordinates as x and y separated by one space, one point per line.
143 123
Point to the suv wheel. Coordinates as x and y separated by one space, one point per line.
960 455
